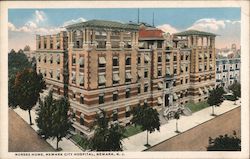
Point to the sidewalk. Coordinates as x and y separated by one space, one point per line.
65 144
136 142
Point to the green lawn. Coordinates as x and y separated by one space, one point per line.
81 141
132 130
194 107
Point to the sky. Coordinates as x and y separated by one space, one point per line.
24 24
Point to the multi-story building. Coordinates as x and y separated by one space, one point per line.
227 71
116 67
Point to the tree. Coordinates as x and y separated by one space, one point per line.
107 138
60 121
177 117
17 62
147 118
215 98
236 89
225 143
44 116
27 87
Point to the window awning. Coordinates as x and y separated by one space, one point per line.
146 57
81 61
168 71
82 115
115 111
159 100
128 108
210 88
102 60
141 45
206 90
160 85
102 79
206 54
139 73
73 76
167 56
58 73
182 67
50 71
211 65
44 71
58 58
200 66
51 57
175 96
200 56
116 77
200 91
81 79
128 75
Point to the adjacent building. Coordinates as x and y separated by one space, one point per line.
227 71
114 66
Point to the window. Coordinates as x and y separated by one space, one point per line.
186 80
115 115
116 78
73 77
81 121
102 62
101 98
45 59
139 60
187 57
187 69
174 83
115 96
128 77
102 80
182 57
81 100
175 70
159 44
81 62
127 114
146 74
51 73
51 59
146 88
199 79
210 55
167 57
58 91
181 81
128 60
159 58
159 73
73 60
74 96
127 93
58 59
205 67
167 85
45 45
139 89
51 45
175 58
115 61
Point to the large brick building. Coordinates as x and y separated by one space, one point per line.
116 66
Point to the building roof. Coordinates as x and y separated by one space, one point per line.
194 32
104 24
151 33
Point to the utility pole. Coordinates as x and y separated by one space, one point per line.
153 19
138 16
